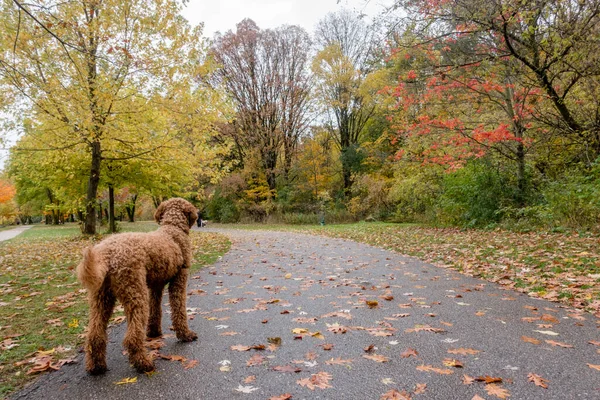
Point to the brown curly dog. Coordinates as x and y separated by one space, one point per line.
134 268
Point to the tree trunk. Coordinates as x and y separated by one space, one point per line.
92 190
130 208
112 226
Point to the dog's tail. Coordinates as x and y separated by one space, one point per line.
91 270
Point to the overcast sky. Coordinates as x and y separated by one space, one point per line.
223 15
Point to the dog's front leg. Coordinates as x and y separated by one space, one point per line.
177 299
155 320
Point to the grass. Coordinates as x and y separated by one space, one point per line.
42 306
555 266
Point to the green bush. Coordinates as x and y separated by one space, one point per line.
222 209
574 200
476 195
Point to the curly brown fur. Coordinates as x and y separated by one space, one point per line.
134 269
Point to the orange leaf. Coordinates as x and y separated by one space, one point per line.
430 368
559 344
497 390
531 340
377 357
463 351
393 394
596 367
537 380
409 352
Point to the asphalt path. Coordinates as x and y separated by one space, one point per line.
425 319
12 233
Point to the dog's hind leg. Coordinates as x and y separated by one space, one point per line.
154 323
177 299
134 298
102 303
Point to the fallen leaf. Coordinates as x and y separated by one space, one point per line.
369 348
239 347
497 390
451 362
395 395
372 303
250 379
531 340
559 344
246 389
430 368
286 368
388 381
320 380
467 380
377 357
463 351
285 396
592 366
408 353
327 346
537 380
125 381
338 361
191 364
488 379
420 388
550 333
256 359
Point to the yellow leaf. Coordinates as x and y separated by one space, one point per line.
125 381
299 331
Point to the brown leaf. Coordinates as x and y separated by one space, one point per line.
190 364
559 344
285 396
286 368
488 379
549 318
256 359
594 342
592 366
377 357
239 347
408 353
274 340
320 380
537 380
369 348
420 388
463 351
338 361
393 394
467 380
497 390
477 397
531 340
424 328
327 346
430 368
250 379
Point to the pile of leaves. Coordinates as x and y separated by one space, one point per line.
556 267
43 309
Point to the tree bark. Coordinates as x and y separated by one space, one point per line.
130 208
112 226
92 190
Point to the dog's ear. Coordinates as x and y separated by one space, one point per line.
159 212
192 217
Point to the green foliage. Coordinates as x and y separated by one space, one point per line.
475 195
222 209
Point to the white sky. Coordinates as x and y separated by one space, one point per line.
223 15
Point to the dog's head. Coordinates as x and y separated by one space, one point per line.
177 212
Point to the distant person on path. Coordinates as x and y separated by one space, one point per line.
199 220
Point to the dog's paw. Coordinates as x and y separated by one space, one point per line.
188 336
97 369
143 366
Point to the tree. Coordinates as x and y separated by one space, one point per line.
554 42
265 74
102 77
341 67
